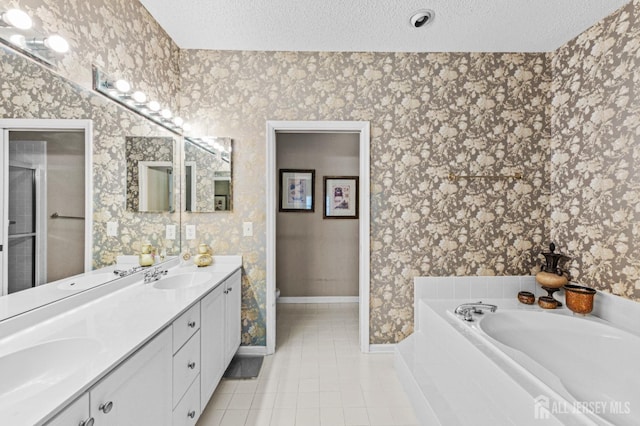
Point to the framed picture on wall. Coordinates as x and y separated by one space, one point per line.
341 197
220 203
297 192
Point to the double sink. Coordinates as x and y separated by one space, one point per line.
31 370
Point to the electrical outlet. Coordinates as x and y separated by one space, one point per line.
191 232
247 229
171 232
112 229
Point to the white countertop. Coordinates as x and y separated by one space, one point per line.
119 323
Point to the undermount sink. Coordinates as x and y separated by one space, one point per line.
30 371
83 282
174 282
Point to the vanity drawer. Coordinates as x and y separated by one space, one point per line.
187 411
185 326
186 366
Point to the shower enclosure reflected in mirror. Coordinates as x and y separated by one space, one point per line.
207 169
150 176
44 206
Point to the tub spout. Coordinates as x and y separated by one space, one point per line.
466 310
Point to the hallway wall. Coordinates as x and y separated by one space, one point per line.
316 256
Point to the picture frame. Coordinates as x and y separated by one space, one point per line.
341 197
297 190
220 202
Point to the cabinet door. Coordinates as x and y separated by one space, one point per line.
138 391
211 342
74 414
233 307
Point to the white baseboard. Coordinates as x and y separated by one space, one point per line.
320 299
385 348
252 350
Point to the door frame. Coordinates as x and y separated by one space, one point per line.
53 125
363 129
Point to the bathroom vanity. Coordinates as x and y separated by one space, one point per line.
129 352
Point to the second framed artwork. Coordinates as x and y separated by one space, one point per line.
341 197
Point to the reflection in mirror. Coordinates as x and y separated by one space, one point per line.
47 231
150 178
207 169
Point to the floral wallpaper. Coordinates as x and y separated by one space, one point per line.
145 149
430 114
31 91
595 154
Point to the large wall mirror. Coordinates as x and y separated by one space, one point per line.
207 175
150 174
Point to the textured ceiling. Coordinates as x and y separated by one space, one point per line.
378 25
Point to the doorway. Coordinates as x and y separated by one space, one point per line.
46 207
362 129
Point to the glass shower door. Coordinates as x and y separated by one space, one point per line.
21 267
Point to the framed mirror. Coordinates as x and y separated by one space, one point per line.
207 175
150 174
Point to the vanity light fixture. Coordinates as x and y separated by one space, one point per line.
17 32
122 92
16 18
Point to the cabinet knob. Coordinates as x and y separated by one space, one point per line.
226 291
191 365
229 289
106 407
191 324
191 414
88 422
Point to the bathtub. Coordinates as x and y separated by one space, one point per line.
588 366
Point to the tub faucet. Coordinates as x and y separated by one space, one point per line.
466 310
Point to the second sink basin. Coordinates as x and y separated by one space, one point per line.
174 282
30 371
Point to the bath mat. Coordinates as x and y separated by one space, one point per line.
244 367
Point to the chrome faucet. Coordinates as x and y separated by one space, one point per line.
154 274
126 272
466 310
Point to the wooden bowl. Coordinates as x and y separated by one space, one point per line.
526 297
546 302
579 299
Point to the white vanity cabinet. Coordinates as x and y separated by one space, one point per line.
233 324
138 391
220 333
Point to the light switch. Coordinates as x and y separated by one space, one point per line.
247 229
171 232
191 232
112 229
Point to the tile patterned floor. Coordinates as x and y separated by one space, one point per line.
317 377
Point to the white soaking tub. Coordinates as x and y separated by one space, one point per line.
587 364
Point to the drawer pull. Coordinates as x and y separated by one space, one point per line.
191 324
89 422
105 408
191 414
191 365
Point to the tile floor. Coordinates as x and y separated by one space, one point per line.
317 377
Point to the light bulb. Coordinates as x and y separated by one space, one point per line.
178 121
166 113
57 43
122 86
154 106
139 97
17 19
18 40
